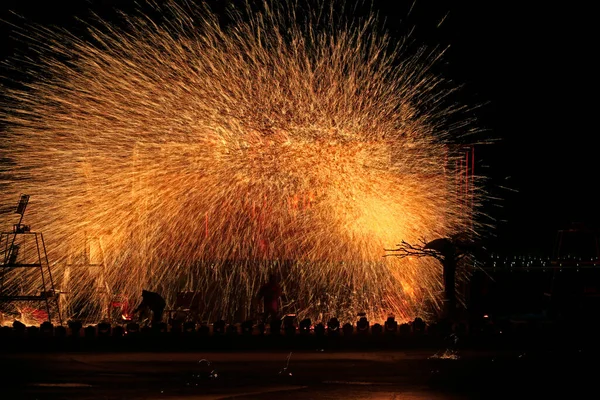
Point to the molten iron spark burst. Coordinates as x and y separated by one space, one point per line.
188 155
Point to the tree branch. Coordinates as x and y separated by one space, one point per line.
405 249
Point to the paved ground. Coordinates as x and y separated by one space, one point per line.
318 374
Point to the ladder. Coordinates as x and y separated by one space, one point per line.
24 253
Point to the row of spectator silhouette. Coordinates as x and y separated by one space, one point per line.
285 326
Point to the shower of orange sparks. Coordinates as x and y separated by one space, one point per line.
200 157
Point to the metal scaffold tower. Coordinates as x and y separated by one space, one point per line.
26 260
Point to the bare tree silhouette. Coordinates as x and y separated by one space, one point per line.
449 251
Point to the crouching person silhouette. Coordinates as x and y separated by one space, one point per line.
155 303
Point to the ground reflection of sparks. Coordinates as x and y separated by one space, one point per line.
195 156
446 355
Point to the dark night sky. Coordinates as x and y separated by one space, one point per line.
530 63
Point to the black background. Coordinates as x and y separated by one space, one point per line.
529 64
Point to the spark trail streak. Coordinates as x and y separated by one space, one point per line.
197 155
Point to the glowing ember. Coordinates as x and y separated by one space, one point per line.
184 155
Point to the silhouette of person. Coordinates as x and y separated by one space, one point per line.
270 293
155 303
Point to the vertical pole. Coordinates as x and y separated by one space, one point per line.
51 279
45 292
